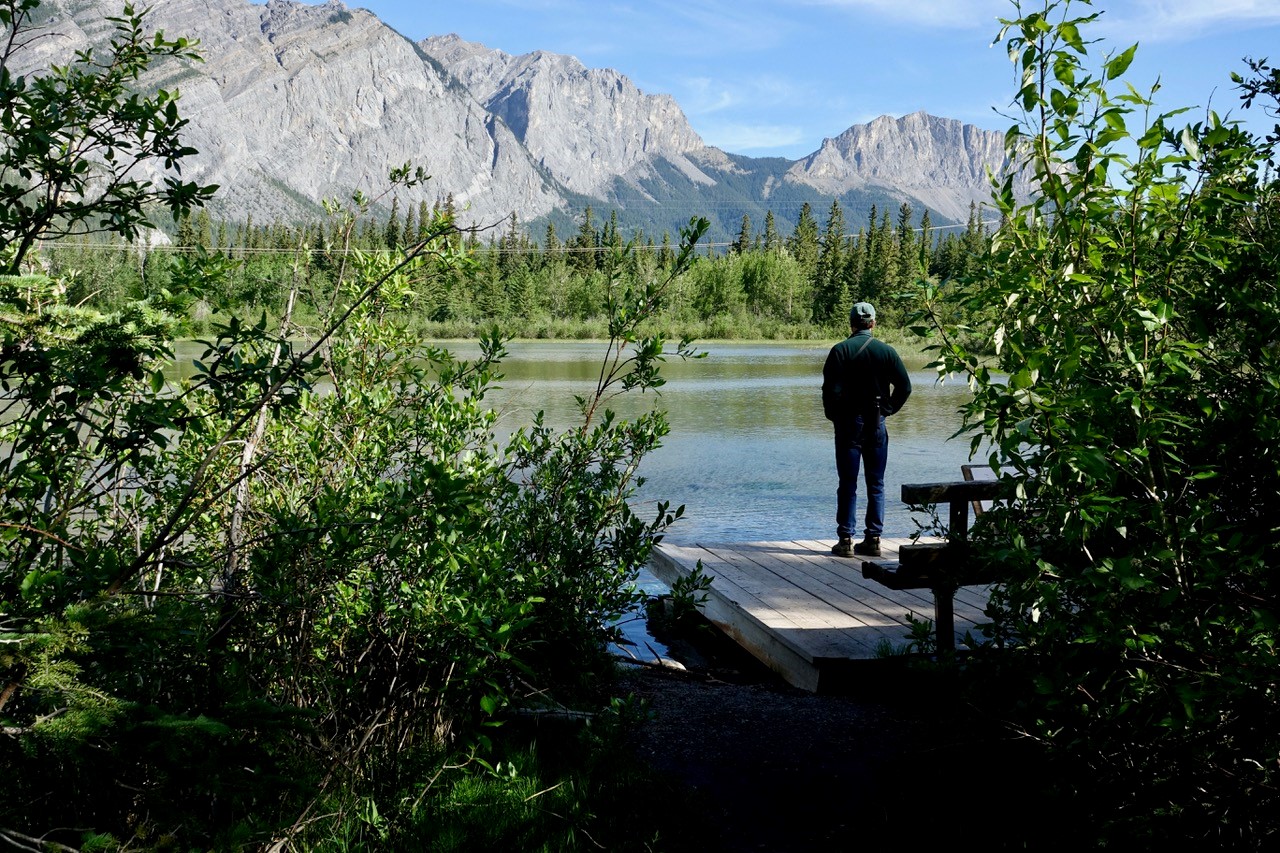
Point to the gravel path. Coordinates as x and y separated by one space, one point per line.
768 767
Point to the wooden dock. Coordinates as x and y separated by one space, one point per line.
808 615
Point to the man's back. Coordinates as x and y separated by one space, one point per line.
861 371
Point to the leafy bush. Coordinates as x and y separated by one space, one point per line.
1133 402
258 605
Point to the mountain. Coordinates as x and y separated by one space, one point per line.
296 103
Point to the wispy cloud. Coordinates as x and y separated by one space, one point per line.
935 14
1178 20
704 96
707 95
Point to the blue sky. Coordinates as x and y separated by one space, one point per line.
776 78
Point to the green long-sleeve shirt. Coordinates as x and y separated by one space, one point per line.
854 378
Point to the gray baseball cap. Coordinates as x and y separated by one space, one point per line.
862 311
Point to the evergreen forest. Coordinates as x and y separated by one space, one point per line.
763 285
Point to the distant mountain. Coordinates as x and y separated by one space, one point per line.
295 103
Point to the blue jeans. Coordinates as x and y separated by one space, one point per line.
849 455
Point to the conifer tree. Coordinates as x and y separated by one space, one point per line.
743 243
450 212
391 235
551 246
409 234
975 234
803 244
186 233
666 255
925 252
612 234
772 242
585 243
829 283
203 227
425 218
907 265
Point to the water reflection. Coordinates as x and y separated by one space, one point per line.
750 454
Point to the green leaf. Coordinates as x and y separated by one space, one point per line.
1189 144
1120 64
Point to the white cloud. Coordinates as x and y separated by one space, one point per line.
707 95
703 96
1177 20
938 14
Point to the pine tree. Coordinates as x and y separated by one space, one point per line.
186 233
772 242
975 235
743 243
926 244
551 246
829 285
391 235
450 215
409 234
907 260
803 244
586 243
612 234
426 216
203 227
666 255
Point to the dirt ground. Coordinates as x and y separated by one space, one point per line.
901 763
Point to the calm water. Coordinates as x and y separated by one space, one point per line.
750 454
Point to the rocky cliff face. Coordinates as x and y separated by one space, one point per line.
585 126
938 162
296 103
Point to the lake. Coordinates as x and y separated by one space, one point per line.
750 454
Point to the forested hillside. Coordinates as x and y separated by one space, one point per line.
763 284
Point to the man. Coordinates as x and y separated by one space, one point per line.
863 382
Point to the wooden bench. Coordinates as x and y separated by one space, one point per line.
941 567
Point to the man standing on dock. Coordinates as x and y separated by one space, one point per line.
863 382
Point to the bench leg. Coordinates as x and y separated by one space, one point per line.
944 620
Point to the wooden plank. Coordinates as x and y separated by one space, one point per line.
961 490
760 640
841 574
784 612
968 603
780 626
893 605
806 614
779 566
770 591
819 552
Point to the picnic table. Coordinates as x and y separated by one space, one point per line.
942 567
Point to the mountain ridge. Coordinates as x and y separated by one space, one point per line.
296 103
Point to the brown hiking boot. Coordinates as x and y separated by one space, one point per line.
844 548
869 547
